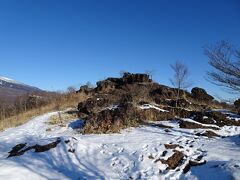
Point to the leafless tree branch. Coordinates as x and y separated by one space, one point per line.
225 60
180 79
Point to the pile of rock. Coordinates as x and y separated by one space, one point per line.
136 78
112 83
112 119
85 89
201 95
212 117
126 94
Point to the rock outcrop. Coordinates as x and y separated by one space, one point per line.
136 78
112 83
237 105
115 104
113 119
212 117
85 89
200 94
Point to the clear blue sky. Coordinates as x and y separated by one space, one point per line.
53 44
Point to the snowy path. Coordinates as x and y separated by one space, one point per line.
133 154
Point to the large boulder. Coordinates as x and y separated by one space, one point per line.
85 89
237 105
200 94
91 105
152 114
163 92
180 103
105 85
112 119
213 117
128 78
136 78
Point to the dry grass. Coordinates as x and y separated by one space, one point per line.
91 128
24 117
62 117
69 101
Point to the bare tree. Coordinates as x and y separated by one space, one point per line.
225 60
180 80
71 89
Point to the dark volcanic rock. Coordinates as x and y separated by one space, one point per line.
171 146
213 117
183 113
237 105
90 105
192 125
16 150
158 125
155 115
20 149
160 92
136 78
106 85
47 147
201 95
180 103
192 164
110 84
174 160
131 91
85 89
209 134
112 120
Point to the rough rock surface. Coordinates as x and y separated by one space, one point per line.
237 105
20 149
201 95
174 160
212 117
112 120
192 125
114 104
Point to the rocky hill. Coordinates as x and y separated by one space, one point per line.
161 140
117 103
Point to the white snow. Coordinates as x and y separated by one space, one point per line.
9 80
151 106
131 154
192 121
113 107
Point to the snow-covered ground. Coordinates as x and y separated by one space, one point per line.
132 154
8 80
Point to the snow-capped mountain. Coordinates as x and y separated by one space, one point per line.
10 89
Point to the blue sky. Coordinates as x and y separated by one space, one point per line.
53 44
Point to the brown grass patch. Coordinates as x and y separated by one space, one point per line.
62 117
66 101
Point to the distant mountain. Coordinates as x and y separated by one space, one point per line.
11 89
